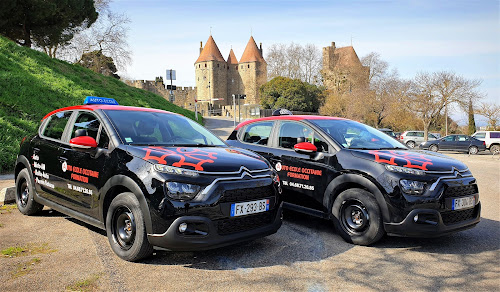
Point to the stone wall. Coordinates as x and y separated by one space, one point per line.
183 96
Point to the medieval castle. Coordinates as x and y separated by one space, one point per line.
217 79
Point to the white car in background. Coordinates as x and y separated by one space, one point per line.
490 138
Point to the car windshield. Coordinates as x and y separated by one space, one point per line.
160 129
353 135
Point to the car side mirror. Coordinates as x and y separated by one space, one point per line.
305 148
83 142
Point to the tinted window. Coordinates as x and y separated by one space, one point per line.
56 124
157 128
420 134
86 124
258 133
461 138
449 138
430 136
480 135
494 134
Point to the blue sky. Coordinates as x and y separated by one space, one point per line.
413 36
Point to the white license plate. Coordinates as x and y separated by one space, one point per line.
463 203
240 209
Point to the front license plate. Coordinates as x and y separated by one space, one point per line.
240 209
463 203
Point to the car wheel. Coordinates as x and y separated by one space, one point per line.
433 148
473 150
410 144
495 149
126 229
24 194
357 217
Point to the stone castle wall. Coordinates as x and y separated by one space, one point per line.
183 96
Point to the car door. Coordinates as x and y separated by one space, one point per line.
256 137
46 153
83 168
304 177
462 143
447 143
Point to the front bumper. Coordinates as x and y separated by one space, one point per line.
432 223
206 234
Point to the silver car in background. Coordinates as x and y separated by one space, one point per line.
414 138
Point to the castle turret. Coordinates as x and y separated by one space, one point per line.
233 77
211 74
253 71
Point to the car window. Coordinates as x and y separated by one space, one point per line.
291 133
103 141
480 135
258 133
449 138
419 134
86 124
462 138
431 136
56 124
494 134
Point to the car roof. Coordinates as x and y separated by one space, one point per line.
288 117
93 107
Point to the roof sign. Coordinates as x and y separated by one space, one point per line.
282 112
100 100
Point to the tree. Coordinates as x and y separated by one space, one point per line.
48 24
98 62
472 122
292 94
107 35
492 112
295 61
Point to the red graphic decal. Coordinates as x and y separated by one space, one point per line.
412 160
196 157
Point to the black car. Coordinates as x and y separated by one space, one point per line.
366 182
456 143
388 132
148 177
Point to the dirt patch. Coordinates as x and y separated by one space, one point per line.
29 249
86 285
25 267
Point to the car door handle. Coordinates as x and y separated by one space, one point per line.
62 159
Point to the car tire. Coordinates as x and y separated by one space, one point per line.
25 194
433 148
473 150
357 217
495 149
410 144
126 229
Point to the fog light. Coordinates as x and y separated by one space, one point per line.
183 227
415 218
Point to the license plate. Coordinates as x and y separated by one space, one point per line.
240 209
463 203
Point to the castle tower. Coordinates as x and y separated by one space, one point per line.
253 71
211 74
233 77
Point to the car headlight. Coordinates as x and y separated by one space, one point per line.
182 191
175 170
412 187
401 169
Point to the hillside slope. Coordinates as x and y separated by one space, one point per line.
32 85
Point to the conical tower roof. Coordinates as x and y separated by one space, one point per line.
251 53
232 58
210 52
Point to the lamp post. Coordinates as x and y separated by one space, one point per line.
234 110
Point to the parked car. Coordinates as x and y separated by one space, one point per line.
491 139
414 138
367 183
455 142
148 177
388 132
437 135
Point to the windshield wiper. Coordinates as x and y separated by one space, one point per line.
392 148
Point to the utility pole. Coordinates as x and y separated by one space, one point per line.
234 110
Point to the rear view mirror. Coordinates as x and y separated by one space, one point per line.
83 142
305 148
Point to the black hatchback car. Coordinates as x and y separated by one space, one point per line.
368 183
148 177
461 143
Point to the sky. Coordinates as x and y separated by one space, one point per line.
412 36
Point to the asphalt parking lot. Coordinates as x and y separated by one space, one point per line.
55 252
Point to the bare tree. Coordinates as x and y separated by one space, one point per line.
295 61
492 112
378 67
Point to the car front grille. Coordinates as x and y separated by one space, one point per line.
242 195
452 217
235 225
460 191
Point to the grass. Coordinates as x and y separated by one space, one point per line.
33 84
24 268
29 249
88 284
8 208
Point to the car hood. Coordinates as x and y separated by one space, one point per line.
424 160
209 159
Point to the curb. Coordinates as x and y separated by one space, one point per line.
8 196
